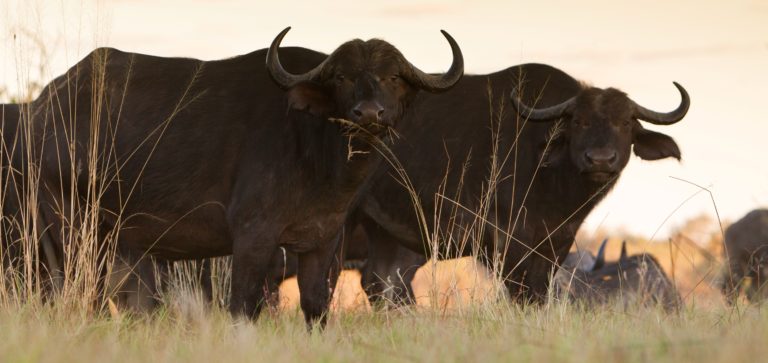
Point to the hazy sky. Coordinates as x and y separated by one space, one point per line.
717 49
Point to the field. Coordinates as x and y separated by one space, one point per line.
489 333
460 317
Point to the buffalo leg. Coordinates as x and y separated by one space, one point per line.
390 267
753 292
205 277
250 262
318 272
732 279
137 287
529 282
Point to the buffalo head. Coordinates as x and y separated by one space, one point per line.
600 128
366 82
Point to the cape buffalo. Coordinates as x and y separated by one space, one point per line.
746 253
188 159
633 279
519 183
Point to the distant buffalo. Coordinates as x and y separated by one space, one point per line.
510 179
637 279
746 253
189 159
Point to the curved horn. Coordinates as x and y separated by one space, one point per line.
439 83
600 259
279 74
668 118
623 257
540 114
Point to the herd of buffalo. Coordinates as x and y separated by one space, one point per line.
293 161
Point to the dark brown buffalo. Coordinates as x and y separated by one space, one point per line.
746 253
519 183
190 159
637 279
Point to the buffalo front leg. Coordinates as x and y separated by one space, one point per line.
318 272
734 275
250 262
528 282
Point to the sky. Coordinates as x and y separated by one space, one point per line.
718 50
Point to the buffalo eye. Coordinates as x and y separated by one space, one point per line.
626 123
394 78
340 78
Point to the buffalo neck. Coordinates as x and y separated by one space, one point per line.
329 156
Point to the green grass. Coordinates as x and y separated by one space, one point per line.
499 332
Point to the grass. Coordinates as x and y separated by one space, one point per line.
492 332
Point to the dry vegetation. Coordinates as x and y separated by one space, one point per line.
461 315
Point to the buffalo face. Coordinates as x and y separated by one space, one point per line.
600 128
367 82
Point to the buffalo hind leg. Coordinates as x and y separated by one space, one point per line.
391 270
390 267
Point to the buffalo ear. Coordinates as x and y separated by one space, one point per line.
310 97
554 152
552 155
651 145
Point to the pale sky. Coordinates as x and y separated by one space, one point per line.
718 50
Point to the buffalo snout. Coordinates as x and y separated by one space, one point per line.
602 159
366 112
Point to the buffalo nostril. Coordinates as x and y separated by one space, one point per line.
380 113
357 112
600 157
588 157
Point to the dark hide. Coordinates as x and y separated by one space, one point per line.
545 186
746 253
